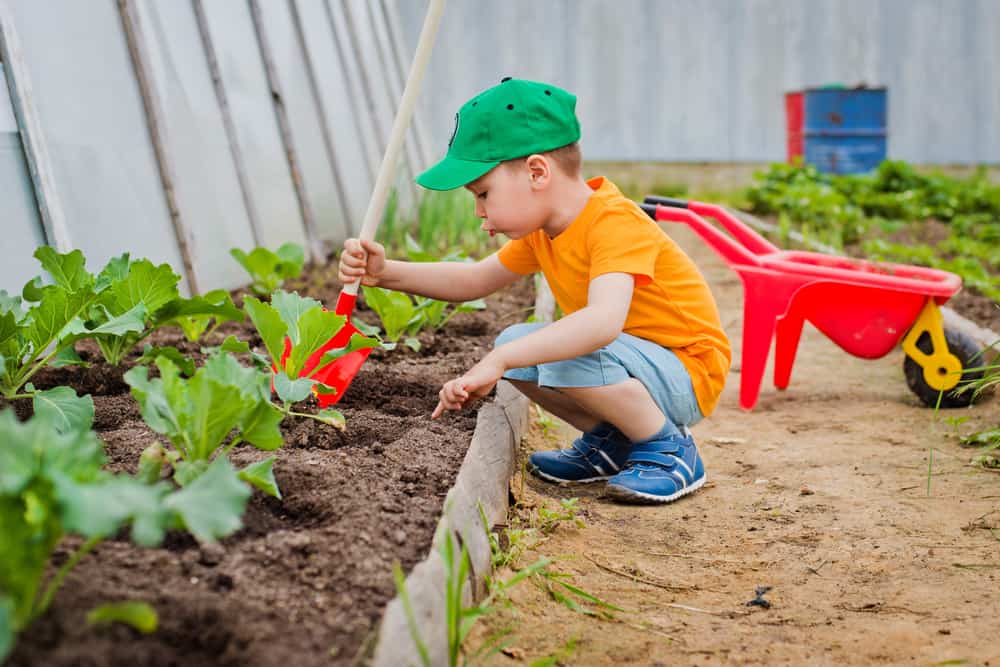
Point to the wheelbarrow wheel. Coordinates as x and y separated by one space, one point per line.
967 351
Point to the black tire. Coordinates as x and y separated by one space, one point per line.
967 351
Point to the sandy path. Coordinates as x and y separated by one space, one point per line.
820 492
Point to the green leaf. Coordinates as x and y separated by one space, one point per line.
138 615
261 427
10 304
292 391
261 476
115 270
67 356
161 412
56 310
90 509
211 506
108 326
292 257
66 410
291 307
150 354
7 626
365 328
194 315
151 464
394 309
412 343
8 327
232 344
186 472
216 408
332 418
67 270
147 284
357 342
316 328
270 326
268 269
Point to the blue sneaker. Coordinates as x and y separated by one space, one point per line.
659 471
594 457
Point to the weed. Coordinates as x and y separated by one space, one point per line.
549 520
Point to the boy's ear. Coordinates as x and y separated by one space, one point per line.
539 171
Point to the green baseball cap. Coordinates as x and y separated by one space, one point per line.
513 119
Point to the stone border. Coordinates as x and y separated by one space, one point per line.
482 481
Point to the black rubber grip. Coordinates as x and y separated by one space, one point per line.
666 201
650 210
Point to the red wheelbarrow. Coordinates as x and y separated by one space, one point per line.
866 308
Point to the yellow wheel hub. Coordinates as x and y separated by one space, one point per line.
942 369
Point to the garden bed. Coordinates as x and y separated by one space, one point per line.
306 580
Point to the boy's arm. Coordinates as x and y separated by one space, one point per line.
600 322
447 281
609 297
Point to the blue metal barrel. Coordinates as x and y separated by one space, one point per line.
845 129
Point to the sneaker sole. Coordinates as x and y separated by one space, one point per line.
565 482
623 493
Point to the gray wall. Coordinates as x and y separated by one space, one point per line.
694 80
177 129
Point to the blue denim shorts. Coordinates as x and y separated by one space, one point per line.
656 367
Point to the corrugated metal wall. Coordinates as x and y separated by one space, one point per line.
177 129
703 80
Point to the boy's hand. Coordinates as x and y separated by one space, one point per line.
362 259
477 382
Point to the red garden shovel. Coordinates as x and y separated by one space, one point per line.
338 374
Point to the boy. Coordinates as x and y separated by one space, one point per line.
640 354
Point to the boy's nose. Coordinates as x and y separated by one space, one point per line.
480 210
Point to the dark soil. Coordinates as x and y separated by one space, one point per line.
305 581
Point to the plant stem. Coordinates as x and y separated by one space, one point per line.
57 580
39 366
235 441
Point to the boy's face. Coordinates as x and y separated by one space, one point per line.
509 201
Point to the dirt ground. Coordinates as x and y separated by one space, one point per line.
822 493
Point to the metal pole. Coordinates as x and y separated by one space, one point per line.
397 43
157 132
366 148
331 155
393 88
278 101
227 120
32 137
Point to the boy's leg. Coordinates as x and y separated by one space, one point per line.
559 404
628 405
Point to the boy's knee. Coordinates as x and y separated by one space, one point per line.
515 331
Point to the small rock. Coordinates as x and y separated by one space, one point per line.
400 537
806 491
761 481
211 554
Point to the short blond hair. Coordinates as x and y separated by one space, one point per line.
569 159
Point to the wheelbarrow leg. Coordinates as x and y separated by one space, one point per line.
786 344
766 298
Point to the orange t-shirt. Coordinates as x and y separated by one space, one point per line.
671 304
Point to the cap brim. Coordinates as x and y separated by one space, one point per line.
452 172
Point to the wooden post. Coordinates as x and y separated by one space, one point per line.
32 137
157 132
227 120
331 154
316 251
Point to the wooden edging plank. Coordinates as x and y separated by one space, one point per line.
483 480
